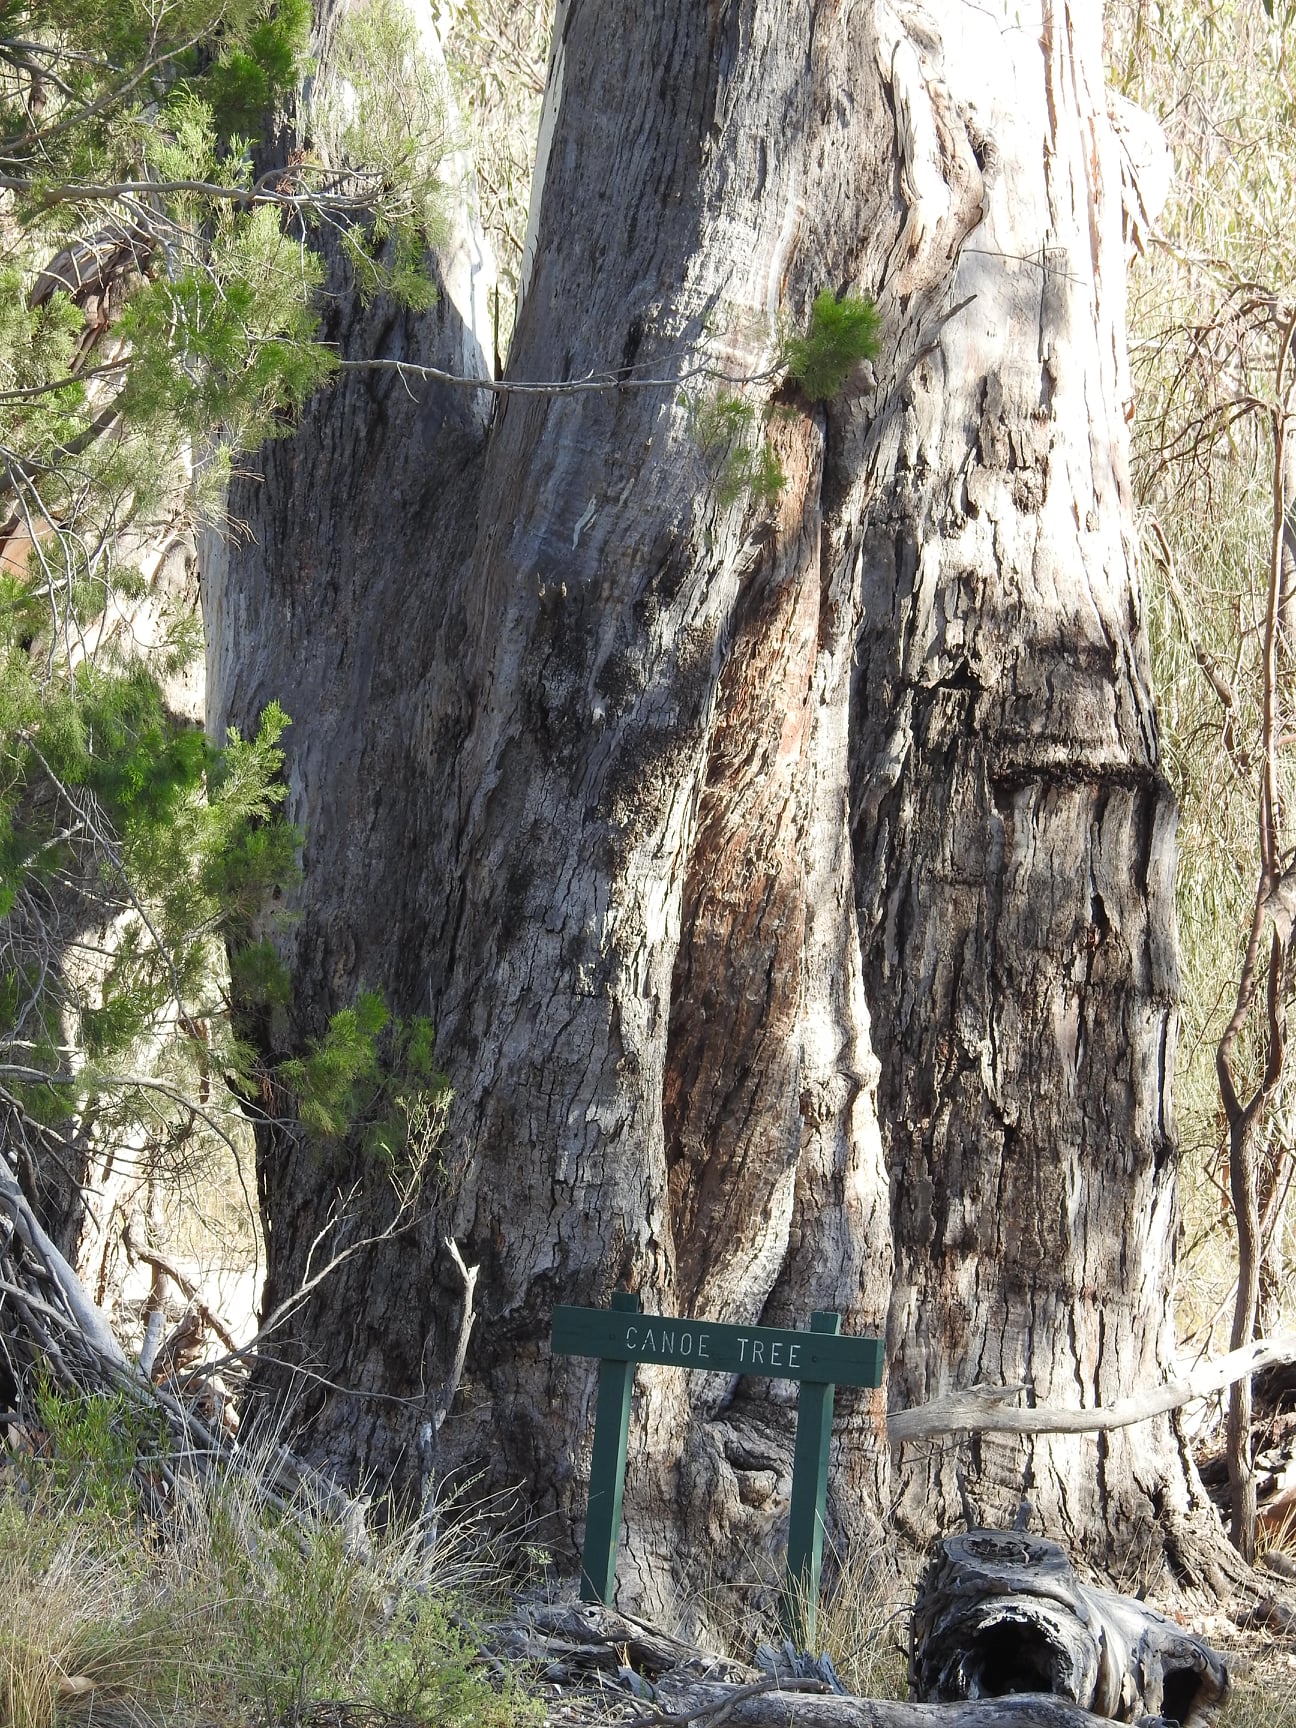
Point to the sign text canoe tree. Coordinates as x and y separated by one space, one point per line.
820 1359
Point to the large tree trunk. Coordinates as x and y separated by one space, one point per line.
673 810
1014 839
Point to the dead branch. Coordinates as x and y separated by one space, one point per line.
783 1708
445 1397
598 1653
49 1324
81 1311
138 1247
723 1708
983 1409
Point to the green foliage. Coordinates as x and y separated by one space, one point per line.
229 344
258 977
726 429
131 852
258 67
91 57
159 315
382 104
841 333
375 1076
141 327
90 1450
302 1613
423 1667
339 1076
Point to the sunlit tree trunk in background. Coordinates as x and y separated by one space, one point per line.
790 884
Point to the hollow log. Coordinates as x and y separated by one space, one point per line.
1001 1612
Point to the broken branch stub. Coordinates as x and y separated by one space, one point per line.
1001 1612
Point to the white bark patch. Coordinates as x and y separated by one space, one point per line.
467 262
940 179
922 177
549 111
1147 167
781 252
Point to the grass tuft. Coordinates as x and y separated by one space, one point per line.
231 1607
861 1626
79 1629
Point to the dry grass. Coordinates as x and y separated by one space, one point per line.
229 1608
861 1625
864 1626
80 1630
1264 1691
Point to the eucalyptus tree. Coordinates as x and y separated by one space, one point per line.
757 785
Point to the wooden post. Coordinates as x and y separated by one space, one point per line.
607 1470
800 1607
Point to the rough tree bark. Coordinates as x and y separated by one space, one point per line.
674 811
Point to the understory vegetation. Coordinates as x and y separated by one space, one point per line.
199 1595
159 316
1211 319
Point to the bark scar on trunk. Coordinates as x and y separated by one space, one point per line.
730 1087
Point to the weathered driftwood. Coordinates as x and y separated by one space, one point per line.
766 1705
985 1409
1002 1612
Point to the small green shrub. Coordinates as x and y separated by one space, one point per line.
423 1667
841 333
375 1074
89 1452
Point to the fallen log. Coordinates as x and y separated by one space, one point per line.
706 1704
594 1661
1001 1612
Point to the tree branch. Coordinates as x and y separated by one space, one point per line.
982 1410
264 191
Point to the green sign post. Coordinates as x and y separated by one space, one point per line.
820 1359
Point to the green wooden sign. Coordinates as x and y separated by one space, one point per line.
628 1336
820 1359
